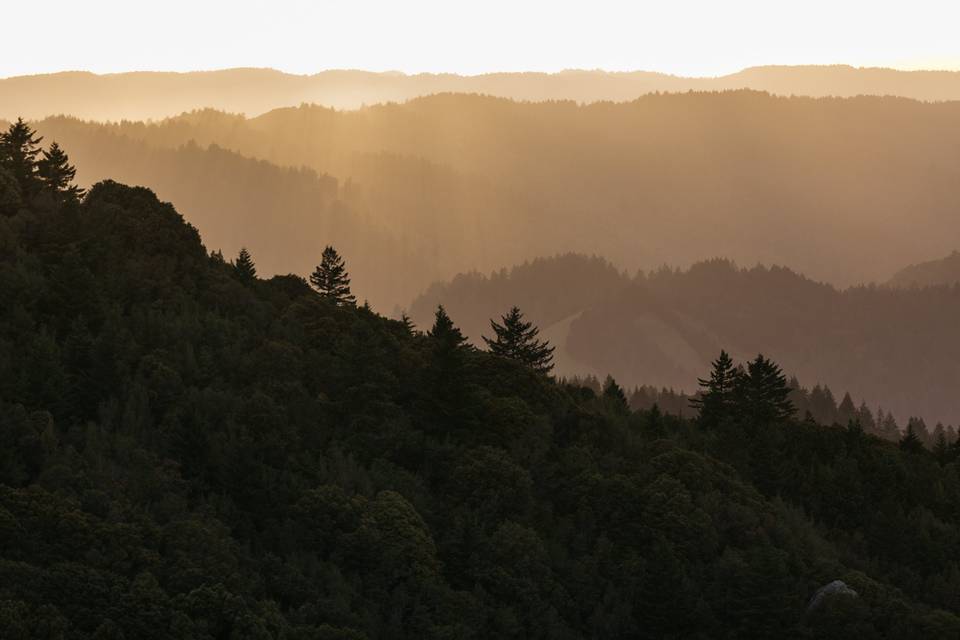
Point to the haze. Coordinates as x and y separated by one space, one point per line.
689 38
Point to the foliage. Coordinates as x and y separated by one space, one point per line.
517 339
187 455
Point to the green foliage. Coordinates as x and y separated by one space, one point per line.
184 454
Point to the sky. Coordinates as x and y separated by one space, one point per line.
683 37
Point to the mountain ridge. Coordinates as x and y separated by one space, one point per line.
145 95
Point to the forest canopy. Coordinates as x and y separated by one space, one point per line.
191 449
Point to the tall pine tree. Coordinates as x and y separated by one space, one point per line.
246 270
330 278
19 148
517 339
717 393
765 392
57 174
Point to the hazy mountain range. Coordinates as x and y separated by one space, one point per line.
944 271
844 190
144 95
898 348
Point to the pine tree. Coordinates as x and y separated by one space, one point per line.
614 393
244 267
19 148
330 278
517 339
910 441
408 324
57 174
717 393
444 330
941 449
765 392
846 411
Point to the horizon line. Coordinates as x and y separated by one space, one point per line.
413 74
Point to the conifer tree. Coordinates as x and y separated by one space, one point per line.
330 278
408 324
765 392
444 330
517 339
717 392
57 174
19 148
941 449
910 441
244 266
614 392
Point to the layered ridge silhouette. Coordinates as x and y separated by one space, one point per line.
143 95
843 190
896 348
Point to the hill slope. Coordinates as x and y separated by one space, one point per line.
188 452
889 347
830 186
945 271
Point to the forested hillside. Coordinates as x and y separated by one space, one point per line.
893 348
474 183
930 273
192 451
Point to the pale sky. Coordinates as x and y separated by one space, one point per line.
684 37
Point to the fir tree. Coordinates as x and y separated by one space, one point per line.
244 267
717 393
57 174
614 392
408 324
911 442
765 392
330 278
19 148
941 449
444 330
517 339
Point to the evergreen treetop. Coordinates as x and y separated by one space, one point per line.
57 174
19 148
331 279
717 392
244 266
517 339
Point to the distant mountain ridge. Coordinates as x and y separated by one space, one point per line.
891 347
154 95
945 271
454 183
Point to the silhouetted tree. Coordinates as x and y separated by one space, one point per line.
517 339
330 278
911 442
764 392
57 174
246 270
717 393
444 330
19 148
614 392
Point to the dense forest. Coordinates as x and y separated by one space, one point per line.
452 183
153 95
897 349
190 450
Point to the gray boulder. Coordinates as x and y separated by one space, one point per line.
837 587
